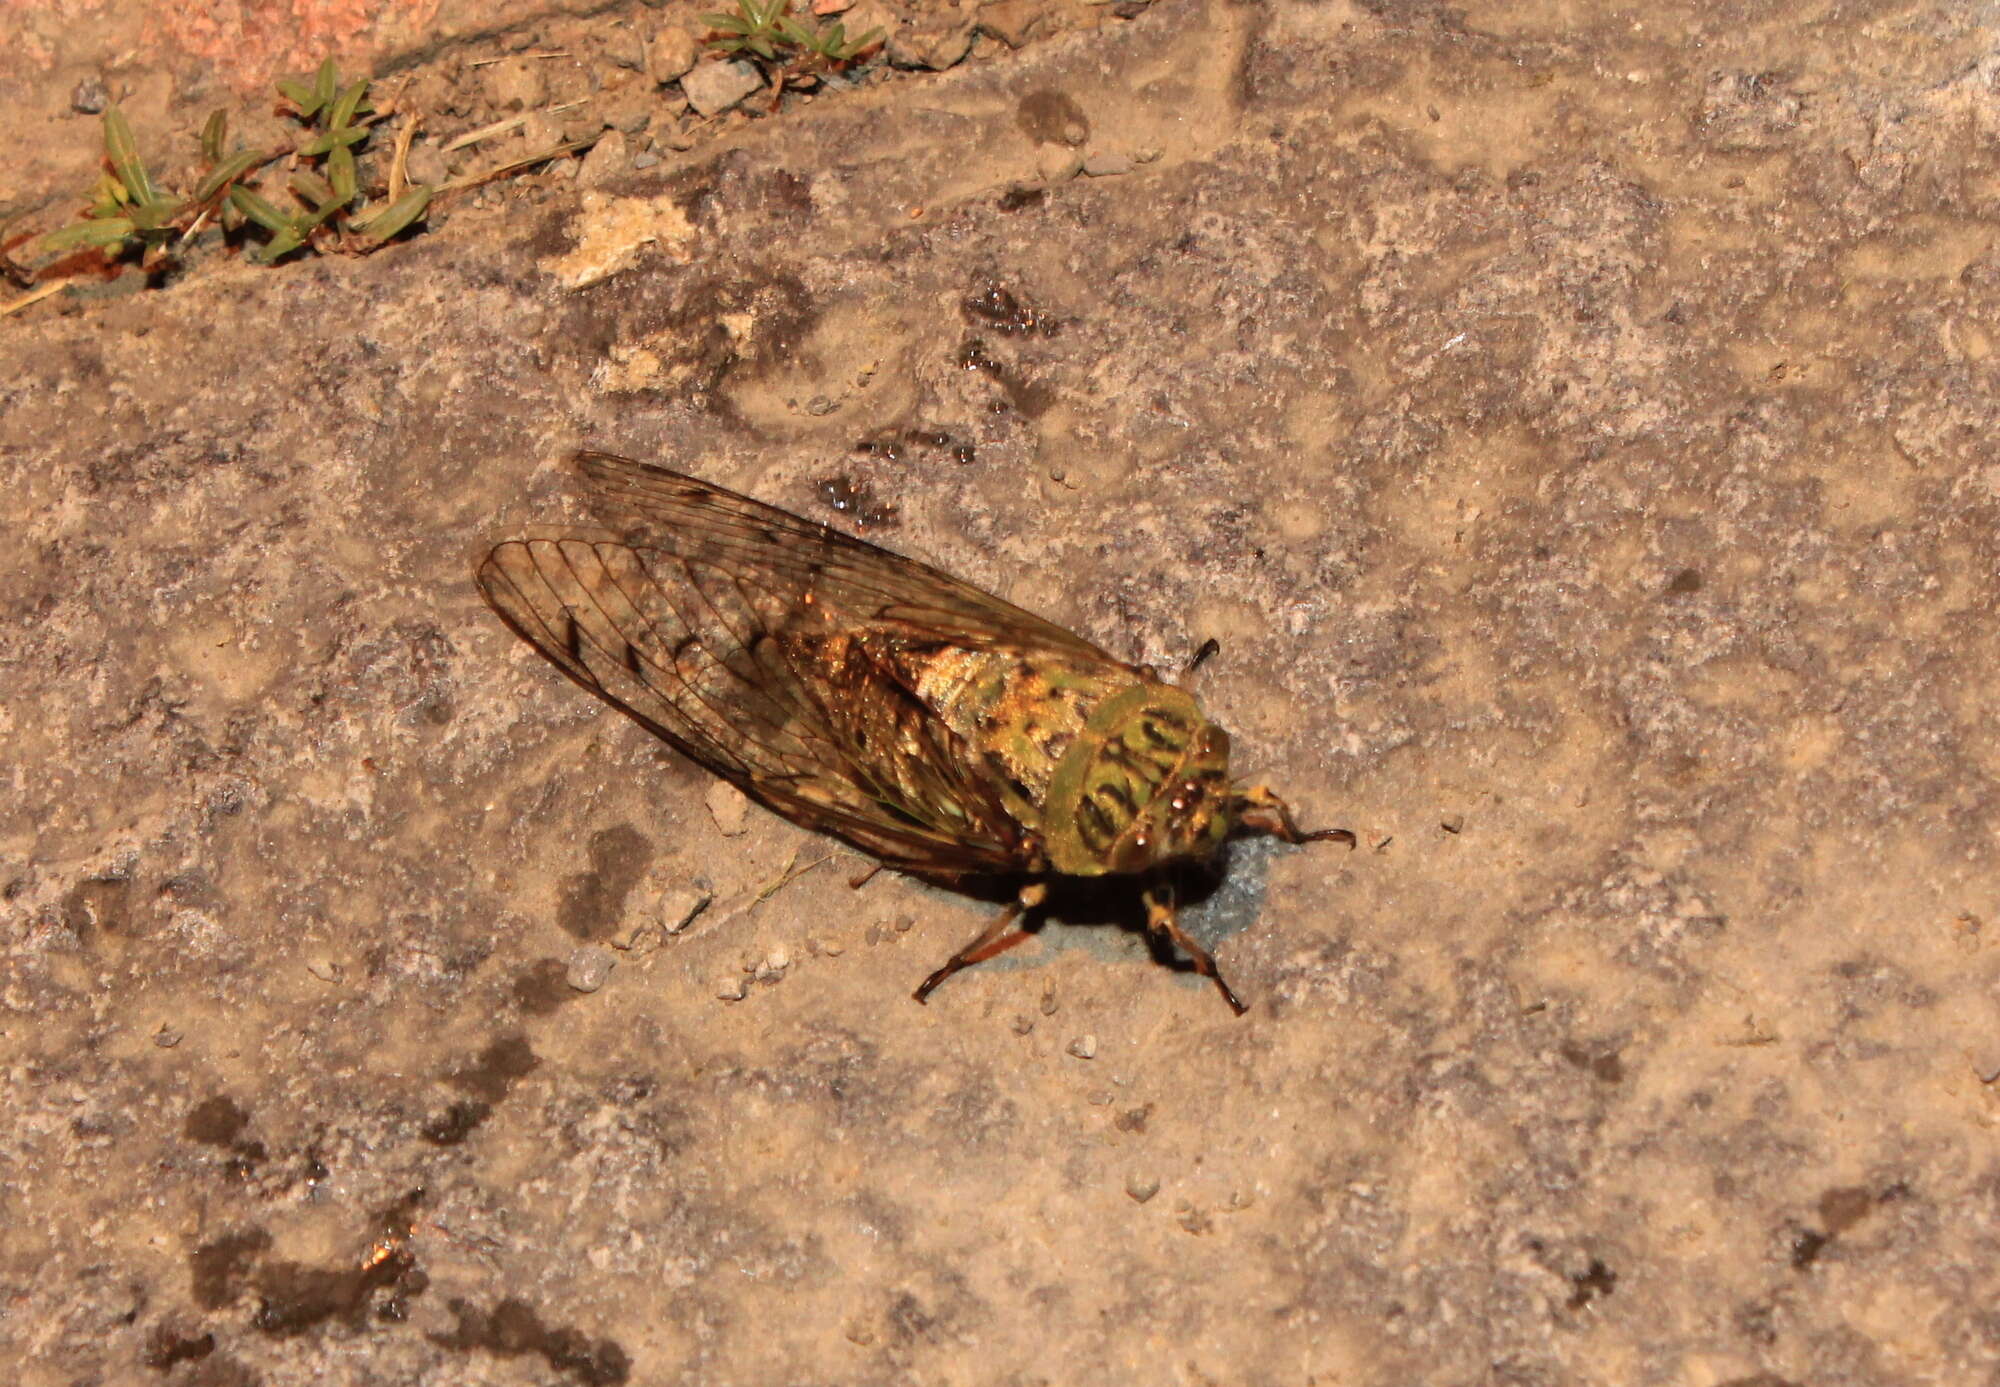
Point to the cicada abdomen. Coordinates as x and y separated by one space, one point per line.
859 693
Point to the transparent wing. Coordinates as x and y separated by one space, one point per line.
757 643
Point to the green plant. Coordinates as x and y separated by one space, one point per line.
130 211
796 53
335 118
758 26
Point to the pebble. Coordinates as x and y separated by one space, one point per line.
1141 1187
323 968
1107 165
166 1037
732 989
1084 1047
680 904
714 87
516 85
588 968
1056 163
671 55
90 97
729 807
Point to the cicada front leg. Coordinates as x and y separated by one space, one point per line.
1160 920
1257 810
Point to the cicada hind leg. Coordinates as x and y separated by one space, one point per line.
1000 935
1257 810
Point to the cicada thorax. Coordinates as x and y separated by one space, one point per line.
1147 782
1114 771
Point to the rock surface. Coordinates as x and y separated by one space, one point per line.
1579 436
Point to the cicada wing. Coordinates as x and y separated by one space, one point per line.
827 580
699 644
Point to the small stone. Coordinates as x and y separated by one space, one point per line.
644 159
713 88
323 968
588 968
627 106
515 85
541 131
90 97
905 923
1013 22
1048 1004
672 55
1056 163
732 989
874 935
833 948
1084 1047
1103 165
935 42
1149 155
1141 1187
1023 1024
1452 823
729 807
166 1037
608 158
427 164
823 8
680 904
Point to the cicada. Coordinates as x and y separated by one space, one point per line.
942 731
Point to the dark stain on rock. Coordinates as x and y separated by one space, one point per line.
1020 196
1685 583
1606 1067
512 1329
169 1344
218 1270
1807 1244
542 987
98 908
486 1082
1840 1209
295 1296
1592 1282
456 1123
1134 1119
216 1121
857 501
592 901
1049 116
999 309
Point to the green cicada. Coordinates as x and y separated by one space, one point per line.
944 732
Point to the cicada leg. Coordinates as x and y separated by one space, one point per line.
861 879
1160 920
1260 811
993 939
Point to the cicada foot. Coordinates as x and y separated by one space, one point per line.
1259 811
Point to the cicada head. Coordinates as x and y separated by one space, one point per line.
1148 783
